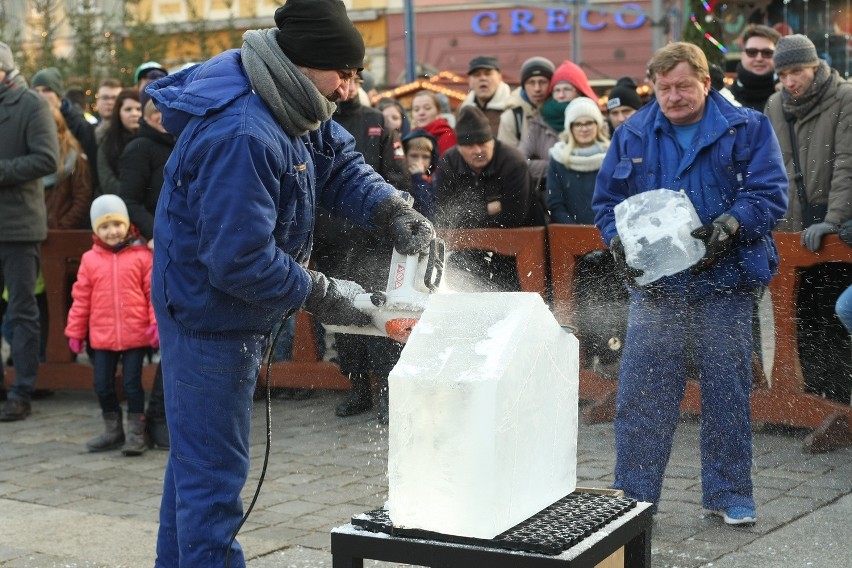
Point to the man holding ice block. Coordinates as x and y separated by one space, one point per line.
727 161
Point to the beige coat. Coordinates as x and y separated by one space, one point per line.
508 131
824 138
493 108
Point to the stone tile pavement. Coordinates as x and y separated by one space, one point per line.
63 507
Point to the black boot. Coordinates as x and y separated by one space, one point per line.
136 442
382 401
359 399
155 416
112 437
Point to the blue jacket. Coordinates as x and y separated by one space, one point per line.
234 223
735 167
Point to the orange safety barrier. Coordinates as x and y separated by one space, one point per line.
785 402
527 244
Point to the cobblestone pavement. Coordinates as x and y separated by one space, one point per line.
63 507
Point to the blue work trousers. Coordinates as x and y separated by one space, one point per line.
209 383
20 265
651 385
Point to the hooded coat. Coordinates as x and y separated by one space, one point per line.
216 269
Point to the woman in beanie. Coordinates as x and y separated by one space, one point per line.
426 115
574 164
122 127
112 311
815 103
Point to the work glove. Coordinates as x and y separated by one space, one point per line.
331 300
77 345
718 237
153 336
410 231
628 273
812 236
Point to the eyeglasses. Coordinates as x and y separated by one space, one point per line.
753 51
589 124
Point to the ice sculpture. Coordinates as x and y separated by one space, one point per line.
483 415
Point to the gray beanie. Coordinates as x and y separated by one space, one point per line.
49 78
108 207
537 67
794 51
7 62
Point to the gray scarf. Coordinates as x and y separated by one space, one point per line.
802 105
273 76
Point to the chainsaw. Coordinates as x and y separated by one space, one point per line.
411 279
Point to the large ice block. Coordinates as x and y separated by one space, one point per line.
483 415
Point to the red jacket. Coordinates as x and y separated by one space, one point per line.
441 130
112 298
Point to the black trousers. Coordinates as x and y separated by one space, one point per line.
825 346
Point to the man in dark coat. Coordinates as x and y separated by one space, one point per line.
29 150
756 78
484 183
344 250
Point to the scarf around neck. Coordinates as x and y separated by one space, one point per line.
586 159
293 98
753 87
801 106
553 113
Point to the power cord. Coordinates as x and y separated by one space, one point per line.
268 438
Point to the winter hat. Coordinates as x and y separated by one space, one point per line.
7 62
794 51
537 67
50 78
570 72
472 127
482 62
147 69
318 34
583 106
624 94
108 207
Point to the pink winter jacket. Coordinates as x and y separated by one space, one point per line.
112 298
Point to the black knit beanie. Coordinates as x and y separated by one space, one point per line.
472 127
624 94
318 34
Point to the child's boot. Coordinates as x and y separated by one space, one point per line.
113 435
136 443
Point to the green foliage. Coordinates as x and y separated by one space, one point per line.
714 27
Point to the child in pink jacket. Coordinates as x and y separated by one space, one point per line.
112 308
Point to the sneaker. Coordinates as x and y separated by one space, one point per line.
738 516
14 409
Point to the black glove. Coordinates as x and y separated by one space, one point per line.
331 300
718 237
628 273
812 236
410 231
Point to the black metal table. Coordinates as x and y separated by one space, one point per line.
351 544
